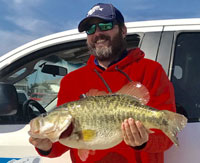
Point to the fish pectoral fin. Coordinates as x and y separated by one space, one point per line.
83 154
88 134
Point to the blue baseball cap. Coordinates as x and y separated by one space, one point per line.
103 11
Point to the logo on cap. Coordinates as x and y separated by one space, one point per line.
95 8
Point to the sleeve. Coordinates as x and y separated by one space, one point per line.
56 150
162 98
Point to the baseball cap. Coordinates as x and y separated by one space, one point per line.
103 11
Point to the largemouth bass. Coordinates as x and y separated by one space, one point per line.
94 122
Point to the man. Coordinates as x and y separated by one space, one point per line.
109 68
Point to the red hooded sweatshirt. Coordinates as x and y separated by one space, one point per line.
145 71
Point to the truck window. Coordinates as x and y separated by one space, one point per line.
186 75
32 83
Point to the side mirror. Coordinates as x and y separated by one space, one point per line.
8 99
54 70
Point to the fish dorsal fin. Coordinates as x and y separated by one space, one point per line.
95 92
136 90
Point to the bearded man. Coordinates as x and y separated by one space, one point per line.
109 68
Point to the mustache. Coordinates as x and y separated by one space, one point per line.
101 37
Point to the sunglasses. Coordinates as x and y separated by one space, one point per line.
102 26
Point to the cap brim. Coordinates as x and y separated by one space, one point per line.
83 25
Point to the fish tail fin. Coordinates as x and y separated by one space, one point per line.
176 122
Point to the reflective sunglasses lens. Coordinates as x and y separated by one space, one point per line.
105 26
91 30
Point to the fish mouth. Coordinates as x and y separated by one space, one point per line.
34 130
66 133
54 129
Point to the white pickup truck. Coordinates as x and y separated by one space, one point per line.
36 68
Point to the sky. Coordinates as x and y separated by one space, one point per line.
22 21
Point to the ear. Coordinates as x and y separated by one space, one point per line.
124 31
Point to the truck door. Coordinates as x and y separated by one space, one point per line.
36 78
179 54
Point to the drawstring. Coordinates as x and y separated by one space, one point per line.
106 84
116 68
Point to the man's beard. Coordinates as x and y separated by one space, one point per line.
108 52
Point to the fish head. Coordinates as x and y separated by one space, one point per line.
50 125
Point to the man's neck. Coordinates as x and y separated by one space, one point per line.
107 63
104 64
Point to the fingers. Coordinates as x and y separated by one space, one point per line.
128 135
33 141
134 133
42 144
144 133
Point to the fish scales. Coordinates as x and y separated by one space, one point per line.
105 110
97 121
106 113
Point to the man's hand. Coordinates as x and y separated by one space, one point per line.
134 133
42 144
